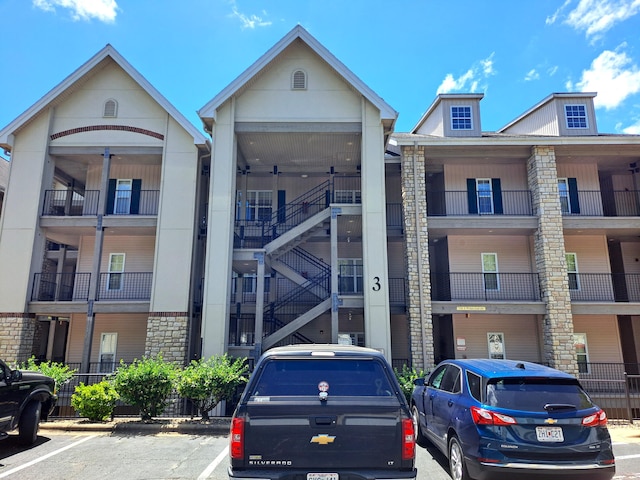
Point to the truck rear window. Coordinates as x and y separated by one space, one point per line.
338 377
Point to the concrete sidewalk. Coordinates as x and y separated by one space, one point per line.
620 432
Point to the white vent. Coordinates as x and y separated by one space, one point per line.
110 108
299 80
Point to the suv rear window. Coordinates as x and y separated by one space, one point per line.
343 377
532 394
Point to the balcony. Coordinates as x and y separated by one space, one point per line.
68 203
453 203
485 287
125 286
601 203
60 287
604 287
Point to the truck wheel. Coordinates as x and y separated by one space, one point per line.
420 438
456 460
28 424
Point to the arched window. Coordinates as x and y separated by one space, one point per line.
110 108
299 80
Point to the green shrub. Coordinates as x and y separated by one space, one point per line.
60 372
406 378
96 402
208 382
146 384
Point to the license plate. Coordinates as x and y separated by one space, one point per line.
322 476
549 434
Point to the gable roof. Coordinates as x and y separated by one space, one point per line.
94 62
208 112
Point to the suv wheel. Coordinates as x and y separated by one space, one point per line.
456 460
28 424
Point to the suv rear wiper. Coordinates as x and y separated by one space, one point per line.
552 407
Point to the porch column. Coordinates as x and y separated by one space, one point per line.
259 317
17 331
335 286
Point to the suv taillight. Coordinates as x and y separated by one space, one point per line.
408 440
236 439
483 416
598 419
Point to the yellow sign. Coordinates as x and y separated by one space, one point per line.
471 309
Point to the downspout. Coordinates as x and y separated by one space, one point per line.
419 252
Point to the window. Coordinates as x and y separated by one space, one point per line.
490 271
110 108
122 200
485 196
576 116
565 200
582 355
259 203
347 196
108 344
351 338
116 269
572 271
299 80
496 345
350 275
461 118
475 385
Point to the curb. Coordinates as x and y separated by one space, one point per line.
216 426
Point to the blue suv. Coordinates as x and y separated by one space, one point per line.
511 419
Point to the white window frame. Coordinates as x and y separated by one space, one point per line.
355 273
110 108
347 196
112 273
295 79
581 339
122 197
565 197
576 114
573 271
357 338
496 345
259 205
109 339
486 272
483 193
458 121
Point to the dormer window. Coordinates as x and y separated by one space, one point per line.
299 80
576 116
461 118
110 108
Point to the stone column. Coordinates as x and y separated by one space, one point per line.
414 205
167 334
557 327
17 331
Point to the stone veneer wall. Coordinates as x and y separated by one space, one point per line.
557 327
414 204
17 332
167 334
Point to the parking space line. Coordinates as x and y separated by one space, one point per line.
212 466
44 457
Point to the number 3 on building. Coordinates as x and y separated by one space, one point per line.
376 284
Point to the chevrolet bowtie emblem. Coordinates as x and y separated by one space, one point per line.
551 421
322 439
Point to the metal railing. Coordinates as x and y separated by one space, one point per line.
143 202
604 287
449 202
60 287
125 286
598 203
65 203
614 387
485 286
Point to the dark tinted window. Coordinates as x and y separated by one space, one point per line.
343 377
532 394
475 384
451 380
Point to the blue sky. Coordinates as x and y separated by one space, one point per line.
516 52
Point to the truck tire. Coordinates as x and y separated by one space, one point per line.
28 424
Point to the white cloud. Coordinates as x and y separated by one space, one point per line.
557 13
613 75
250 21
470 80
102 10
595 17
632 129
531 75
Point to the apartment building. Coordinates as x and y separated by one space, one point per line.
301 217
4 180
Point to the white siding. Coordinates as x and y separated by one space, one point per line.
603 339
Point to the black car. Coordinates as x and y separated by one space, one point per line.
512 419
25 398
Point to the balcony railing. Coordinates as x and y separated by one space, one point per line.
143 202
604 287
65 203
449 203
125 286
485 286
598 203
60 287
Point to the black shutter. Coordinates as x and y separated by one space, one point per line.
472 196
573 195
111 196
135 196
282 205
497 196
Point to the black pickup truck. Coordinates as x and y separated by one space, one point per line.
25 399
322 412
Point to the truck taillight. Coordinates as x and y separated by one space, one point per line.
236 439
408 440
